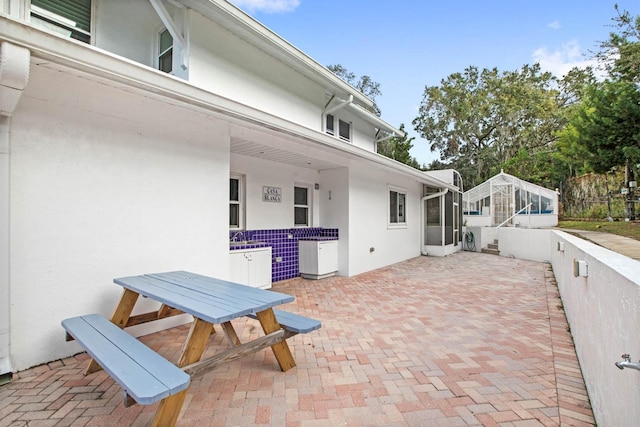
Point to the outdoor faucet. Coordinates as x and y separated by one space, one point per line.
627 363
238 233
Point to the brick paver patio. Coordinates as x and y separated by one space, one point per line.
466 340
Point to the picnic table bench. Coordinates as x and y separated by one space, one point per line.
146 376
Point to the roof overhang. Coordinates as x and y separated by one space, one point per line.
56 52
247 28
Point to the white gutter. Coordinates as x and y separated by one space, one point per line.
422 218
339 106
375 120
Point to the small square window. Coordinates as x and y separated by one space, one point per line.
329 125
345 130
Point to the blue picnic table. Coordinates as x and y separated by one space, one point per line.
210 301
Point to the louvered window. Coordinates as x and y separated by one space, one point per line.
71 18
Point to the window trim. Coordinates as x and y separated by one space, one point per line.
400 191
308 206
240 202
334 129
344 138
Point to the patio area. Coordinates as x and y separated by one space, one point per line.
466 340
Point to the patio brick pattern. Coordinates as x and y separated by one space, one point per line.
465 340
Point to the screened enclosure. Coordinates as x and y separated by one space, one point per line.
505 200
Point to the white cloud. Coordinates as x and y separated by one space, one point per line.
268 6
555 25
560 61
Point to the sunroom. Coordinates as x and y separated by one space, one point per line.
505 200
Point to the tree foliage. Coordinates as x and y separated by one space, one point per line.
365 84
397 148
607 123
480 119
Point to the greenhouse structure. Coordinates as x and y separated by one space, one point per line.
505 200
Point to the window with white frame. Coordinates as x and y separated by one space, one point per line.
329 124
301 206
236 202
71 18
344 127
397 207
165 51
344 130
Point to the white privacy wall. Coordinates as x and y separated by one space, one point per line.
603 313
104 184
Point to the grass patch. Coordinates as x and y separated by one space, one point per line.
621 228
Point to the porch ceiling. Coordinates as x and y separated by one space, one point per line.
274 154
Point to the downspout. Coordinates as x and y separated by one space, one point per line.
14 75
422 217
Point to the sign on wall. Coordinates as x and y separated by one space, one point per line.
272 194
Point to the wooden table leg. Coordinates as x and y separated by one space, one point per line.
281 350
192 350
230 333
120 318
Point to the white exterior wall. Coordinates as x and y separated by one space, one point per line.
602 310
226 65
531 244
369 219
127 28
105 184
261 215
334 210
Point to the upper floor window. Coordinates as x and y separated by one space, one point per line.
71 18
344 128
301 206
236 202
397 207
165 52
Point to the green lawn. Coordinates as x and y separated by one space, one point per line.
621 228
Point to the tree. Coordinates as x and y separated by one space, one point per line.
607 124
481 119
364 84
397 148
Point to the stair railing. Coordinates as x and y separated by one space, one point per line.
509 219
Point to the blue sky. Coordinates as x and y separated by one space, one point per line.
406 45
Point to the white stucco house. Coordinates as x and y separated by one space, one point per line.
142 136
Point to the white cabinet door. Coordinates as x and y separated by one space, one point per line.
327 257
317 259
260 268
251 267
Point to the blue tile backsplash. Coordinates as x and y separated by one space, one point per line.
284 245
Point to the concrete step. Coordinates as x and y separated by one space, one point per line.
490 251
492 248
